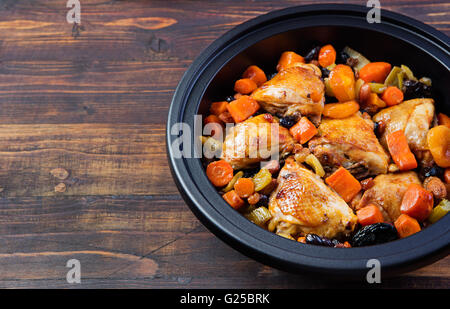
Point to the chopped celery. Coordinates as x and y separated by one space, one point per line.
400 80
230 185
439 211
259 216
362 61
312 161
409 74
392 78
262 179
328 90
377 88
331 66
426 81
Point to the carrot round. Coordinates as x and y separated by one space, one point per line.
400 152
245 86
375 72
233 199
219 173
344 184
340 110
342 83
287 59
244 187
327 55
370 214
242 108
392 96
255 74
218 108
443 120
303 130
417 202
406 226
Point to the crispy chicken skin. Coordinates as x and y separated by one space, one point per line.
387 193
414 117
245 144
294 91
302 204
351 143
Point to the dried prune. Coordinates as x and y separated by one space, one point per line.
415 89
313 54
272 75
287 121
434 170
249 173
325 72
229 99
343 56
374 234
263 200
314 239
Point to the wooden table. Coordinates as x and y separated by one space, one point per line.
92 100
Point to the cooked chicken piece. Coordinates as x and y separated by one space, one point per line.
414 117
256 140
294 91
351 143
303 204
387 193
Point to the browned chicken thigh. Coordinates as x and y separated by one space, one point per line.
296 91
351 143
254 140
387 193
302 204
414 117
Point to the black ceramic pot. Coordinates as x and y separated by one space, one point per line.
397 39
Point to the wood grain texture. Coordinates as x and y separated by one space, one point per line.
92 99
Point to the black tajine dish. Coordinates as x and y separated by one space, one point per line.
260 41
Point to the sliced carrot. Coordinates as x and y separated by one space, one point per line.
443 120
375 72
219 173
447 175
233 199
244 187
340 110
438 140
342 83
392 96
237 95
303 130
242 108
370 214
344 184
400 152
245 86
327 55
287 59
417 202
406 226
218 108
302 239
255 74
